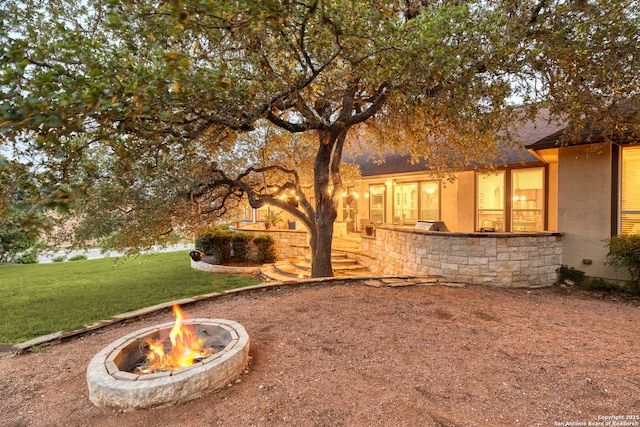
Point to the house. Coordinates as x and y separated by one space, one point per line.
587 192
540 206
596 195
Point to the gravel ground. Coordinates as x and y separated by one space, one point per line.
354 355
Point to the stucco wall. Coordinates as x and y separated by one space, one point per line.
497 259
465 202
584 207
449 203
552 201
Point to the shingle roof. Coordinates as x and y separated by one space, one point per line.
592 135
528 134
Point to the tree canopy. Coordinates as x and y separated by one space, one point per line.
152 115
21 227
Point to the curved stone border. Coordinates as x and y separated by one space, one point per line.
108 386
223 269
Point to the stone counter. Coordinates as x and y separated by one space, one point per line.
497 259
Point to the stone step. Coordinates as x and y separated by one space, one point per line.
287 268
300 268
269 270
336 257
342 265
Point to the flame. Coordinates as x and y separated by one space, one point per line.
186 348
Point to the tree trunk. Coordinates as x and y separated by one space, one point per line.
326 212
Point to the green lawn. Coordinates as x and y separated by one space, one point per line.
39 299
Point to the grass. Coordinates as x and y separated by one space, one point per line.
39 299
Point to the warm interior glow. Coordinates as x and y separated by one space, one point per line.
185 350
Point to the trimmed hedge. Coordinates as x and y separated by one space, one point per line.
240 245
221 243
266 248
216 243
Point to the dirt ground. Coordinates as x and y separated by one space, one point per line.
353 355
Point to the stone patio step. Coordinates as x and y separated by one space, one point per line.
336 258
338 265
300 268
269 270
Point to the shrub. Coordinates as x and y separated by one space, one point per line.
28 258
624 252
266 248
59 258
240 245
217 243
596 283
204 244
79 257
566 273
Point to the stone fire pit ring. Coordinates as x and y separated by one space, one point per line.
112 384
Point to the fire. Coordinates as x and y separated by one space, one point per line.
186 348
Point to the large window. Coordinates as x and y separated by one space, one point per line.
630 190
376 203
510 200
527 195
430 201
405 200
414 201
490 201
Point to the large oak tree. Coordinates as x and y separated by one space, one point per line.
153 115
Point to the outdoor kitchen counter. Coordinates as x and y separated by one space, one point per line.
522 259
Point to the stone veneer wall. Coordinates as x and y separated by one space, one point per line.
289 243
498 259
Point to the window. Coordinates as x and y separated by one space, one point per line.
527 197
511 200
376 203
430 201
629 194
247 213
414 201
261 213
405 199
490 201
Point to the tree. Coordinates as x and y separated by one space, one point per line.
186 107
20 226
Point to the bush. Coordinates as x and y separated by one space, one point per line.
240 244
566 273
598 284
79 257
266 248
28 258
204 244
59 258
624 252
217 243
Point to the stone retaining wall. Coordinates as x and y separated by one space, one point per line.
498 259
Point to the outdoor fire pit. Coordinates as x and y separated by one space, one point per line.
130 374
